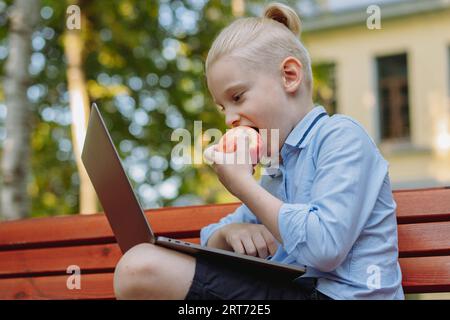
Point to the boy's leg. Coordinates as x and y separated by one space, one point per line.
147 271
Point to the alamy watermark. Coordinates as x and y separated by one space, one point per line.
74 280
73 21
191 150
373 21
374 280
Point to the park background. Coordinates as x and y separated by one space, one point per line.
142 62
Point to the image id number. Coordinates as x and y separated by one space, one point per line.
255 309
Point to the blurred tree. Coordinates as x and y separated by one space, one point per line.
16 147
237 7
143 65
324 91
79 100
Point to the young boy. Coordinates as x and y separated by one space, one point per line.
329 207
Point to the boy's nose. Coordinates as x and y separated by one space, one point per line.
232 120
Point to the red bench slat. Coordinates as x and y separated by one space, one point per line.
34 262
426 274
422 205
90 258
93 286
66 230
421 239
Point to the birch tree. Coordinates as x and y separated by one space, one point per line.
15 202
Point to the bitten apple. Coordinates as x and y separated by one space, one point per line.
236 137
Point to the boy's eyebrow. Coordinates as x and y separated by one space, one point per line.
231 87
234 86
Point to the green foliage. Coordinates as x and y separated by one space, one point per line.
324 91
143 62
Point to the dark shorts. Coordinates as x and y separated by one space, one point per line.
225 280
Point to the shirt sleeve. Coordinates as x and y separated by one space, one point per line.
241 215
348 178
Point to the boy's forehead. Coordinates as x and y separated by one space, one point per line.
226 73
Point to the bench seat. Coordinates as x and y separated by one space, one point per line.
35 253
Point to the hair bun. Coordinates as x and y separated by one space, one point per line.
285 15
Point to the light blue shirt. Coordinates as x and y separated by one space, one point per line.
338 215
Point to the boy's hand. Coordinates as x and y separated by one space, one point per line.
233 172
250 239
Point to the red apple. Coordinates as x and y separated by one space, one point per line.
229 142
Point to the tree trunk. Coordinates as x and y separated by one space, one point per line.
79 105
15 202
238 8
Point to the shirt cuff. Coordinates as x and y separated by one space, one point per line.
292 225
207 232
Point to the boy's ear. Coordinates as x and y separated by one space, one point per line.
291 74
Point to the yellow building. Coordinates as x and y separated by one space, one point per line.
394 78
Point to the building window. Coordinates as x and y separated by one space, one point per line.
393 97
324 87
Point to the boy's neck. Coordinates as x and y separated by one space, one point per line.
296 117
299 113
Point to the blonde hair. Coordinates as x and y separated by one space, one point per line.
263 42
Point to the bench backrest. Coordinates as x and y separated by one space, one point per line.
35 254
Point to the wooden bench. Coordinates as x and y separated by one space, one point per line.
35 253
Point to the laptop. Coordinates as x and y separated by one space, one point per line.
123 211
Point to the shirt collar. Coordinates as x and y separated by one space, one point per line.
298 137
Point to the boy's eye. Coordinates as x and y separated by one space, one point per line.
237 97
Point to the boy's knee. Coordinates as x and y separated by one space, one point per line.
134 272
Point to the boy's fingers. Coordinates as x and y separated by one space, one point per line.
239 156
212 156
208 154
270 241
260 244
273 247
237 245
249 246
